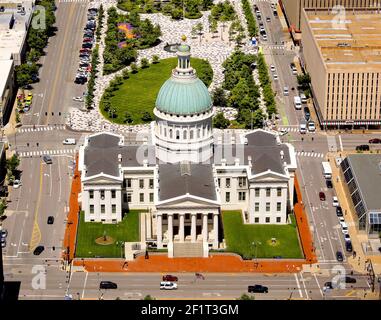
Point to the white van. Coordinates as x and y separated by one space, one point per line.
69 141
297 103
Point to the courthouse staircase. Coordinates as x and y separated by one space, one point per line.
187 249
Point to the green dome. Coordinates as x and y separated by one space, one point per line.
183 48
183 97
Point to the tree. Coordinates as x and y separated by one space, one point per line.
146 116
12 163
134 68
220 122
304 80
246 297
213 26
148 297
155 59
144 63
3 206
199 28
219 97
134 18
177 13
125 74
127 118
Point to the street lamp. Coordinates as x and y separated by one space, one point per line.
255 244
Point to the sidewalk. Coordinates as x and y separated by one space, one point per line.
72 218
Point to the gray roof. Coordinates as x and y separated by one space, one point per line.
367 172
101 155
263 149
197 180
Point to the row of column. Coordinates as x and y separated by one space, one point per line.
181 227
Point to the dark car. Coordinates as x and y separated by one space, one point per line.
375 140
169 277
38 250
321 196
329 184
348 246
350 280
339 211
339 256
328 285
50 220
362 147
88 45
258 289
307 113
47 159
108 285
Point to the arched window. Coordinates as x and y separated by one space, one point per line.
185 134
170 133
198 132
165 132
177 135
191 134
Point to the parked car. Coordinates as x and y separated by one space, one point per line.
307 113
108 285
339 256
268 19
375 140
258 288
328 285
347 237
272 68
69 141
344 227
16 184
3 233
348 246
339 211
50 220
329 184
335 202
166 285
3 243
322 196
275 76
79 99
362 147
285 91
170 278
47 159
350 280
38 250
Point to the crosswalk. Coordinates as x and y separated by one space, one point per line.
275 47
309 154
42 128
289 129
39 153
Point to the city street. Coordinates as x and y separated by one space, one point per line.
45 188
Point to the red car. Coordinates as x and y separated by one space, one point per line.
322 196
169 277
375 140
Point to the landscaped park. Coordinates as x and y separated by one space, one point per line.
132 100
95 239
260 241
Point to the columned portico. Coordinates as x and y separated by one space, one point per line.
193 228
205 227
159 230
215 231
181 227
170 228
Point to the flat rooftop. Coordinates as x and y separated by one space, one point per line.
351 43
366 169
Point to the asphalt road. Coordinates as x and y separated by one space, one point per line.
54 92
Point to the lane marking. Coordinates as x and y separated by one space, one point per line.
36 232
84 285
298 284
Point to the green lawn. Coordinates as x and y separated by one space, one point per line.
127 230
138 93
239 238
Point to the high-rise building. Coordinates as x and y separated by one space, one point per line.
343 58
294 8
